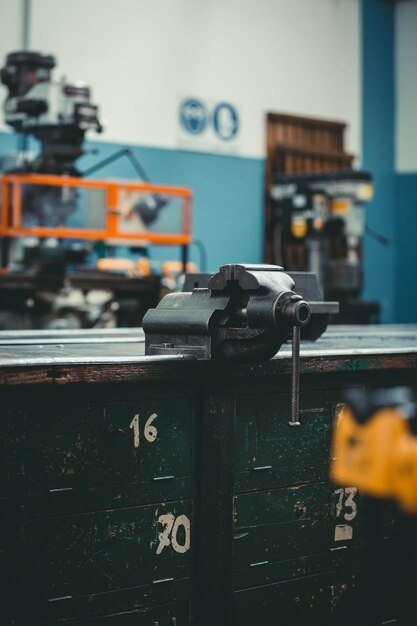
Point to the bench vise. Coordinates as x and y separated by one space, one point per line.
246 313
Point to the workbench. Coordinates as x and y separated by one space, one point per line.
163 491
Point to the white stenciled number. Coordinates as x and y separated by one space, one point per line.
150 432
167 521
134 424
182 520
346 506
350 504
169 535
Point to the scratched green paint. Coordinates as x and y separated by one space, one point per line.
102 552
92 445
309 600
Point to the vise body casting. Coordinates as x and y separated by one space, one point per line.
246 313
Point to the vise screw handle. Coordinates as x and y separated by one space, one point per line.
295 377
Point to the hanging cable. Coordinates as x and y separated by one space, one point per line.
203 253
127 152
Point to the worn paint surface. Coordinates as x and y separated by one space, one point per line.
310 600
104 551
291 531
91 446
270 453
95 512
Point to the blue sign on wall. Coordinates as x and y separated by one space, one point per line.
193 116
208 125
225 121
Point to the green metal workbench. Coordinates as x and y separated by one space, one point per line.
161 491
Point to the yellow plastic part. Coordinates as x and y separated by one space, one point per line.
299 228
379 457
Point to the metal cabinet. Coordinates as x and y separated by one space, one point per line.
167 492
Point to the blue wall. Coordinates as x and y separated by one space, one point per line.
8 143
227 192
406 267
378 150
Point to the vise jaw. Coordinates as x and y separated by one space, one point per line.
246 313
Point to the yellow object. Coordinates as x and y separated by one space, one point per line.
379 457
341 206
299 228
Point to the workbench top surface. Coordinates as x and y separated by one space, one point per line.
99 355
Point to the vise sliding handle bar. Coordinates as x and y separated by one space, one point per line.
295 377
299 314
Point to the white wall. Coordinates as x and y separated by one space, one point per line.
139 56
10 32
406 85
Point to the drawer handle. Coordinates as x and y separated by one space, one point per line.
162 580
300 510
115 431
60 598
111 538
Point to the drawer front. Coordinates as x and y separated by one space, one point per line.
269 452
108 560
275 530
4 547
91 447
311 600
175 614
4 453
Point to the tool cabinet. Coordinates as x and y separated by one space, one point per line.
162 491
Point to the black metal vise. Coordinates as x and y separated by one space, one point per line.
246 313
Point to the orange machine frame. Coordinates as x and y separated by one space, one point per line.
11 211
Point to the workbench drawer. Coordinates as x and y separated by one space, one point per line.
96 449
311 600
175 614
4 453
4 544
269 453
95 563
274 530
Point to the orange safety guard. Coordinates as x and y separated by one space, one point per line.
11 213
